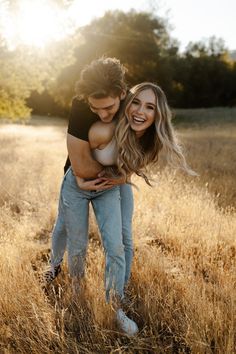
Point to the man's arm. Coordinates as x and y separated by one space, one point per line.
82 162
84 166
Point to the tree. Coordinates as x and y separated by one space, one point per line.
213 47
139 39
25 70
204 75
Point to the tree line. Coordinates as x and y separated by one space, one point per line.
203 76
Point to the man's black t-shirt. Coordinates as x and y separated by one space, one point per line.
80 120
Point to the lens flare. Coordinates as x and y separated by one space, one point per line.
35 23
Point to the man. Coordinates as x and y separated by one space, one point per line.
100 90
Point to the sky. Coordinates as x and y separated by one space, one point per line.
191 20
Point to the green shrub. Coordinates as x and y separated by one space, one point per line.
13 108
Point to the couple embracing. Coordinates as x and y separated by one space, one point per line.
113 132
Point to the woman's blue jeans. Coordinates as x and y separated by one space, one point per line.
113 209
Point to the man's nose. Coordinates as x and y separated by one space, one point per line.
102 114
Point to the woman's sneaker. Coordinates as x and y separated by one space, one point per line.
127 325
51 274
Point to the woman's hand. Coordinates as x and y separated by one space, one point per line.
114 181
112 176
98 184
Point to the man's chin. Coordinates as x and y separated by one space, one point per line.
107 120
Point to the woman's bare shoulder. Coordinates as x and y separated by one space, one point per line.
101 133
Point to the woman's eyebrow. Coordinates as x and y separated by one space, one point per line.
148 103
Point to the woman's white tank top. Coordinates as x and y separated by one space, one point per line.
108 155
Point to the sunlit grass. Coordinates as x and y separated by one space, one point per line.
209 136
183 279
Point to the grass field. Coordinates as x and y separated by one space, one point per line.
183 284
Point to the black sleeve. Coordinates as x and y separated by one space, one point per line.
80 120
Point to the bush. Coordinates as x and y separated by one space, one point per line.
13 108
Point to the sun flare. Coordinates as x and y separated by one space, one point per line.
40 22
35 23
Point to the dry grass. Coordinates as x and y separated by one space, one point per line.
210 140
183 280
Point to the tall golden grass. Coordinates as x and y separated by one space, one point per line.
183 285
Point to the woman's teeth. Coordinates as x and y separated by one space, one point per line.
138 120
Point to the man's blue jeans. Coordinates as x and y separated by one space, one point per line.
113 209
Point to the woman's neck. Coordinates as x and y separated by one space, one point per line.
140 134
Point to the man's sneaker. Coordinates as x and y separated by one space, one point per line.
51 274
127 325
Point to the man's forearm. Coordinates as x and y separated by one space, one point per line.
88 170
81 159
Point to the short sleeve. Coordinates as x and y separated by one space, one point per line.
80 120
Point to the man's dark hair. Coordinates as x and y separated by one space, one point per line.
101 78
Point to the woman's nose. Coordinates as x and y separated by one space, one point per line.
140 109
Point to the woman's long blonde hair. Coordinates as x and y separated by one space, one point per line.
135 154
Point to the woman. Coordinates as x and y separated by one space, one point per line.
143 129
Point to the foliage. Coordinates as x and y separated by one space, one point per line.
204 82
203 76
13 107
44 79
24 70
139 39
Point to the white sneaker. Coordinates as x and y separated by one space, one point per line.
127 325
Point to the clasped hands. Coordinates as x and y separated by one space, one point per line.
107 178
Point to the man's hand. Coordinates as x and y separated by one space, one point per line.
114 181
111 175
109 172
98 184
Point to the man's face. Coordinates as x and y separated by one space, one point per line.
105 108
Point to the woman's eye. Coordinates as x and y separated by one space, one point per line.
150 107
135 102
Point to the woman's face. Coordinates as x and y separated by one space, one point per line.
141 112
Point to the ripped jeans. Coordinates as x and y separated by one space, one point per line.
113 209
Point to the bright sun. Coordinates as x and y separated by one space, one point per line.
39 22
35 23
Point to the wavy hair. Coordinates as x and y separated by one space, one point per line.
101 78
135 154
